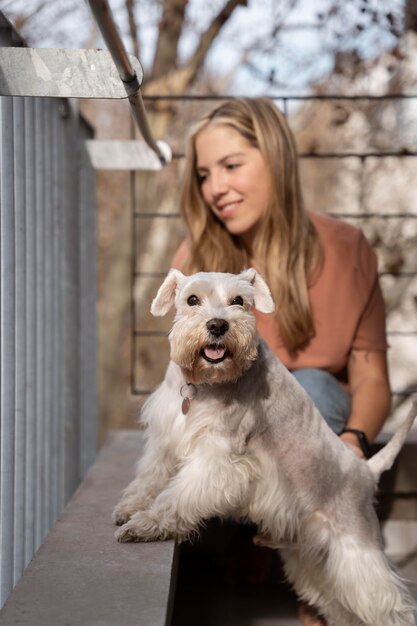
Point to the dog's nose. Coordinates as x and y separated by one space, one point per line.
217 327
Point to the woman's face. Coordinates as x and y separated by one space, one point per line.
234 179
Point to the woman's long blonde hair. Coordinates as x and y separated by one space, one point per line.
286 248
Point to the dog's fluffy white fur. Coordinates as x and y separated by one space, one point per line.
232 434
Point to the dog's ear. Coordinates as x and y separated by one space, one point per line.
263 299
165 297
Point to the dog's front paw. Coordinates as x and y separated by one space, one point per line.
133 501
121 514
141 527
127 533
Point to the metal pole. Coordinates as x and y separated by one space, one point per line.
111 36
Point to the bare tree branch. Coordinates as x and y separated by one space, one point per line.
207 38
170 28
411 15
133 30
176 81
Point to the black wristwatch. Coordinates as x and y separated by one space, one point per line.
363 440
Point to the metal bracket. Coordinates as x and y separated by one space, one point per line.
64 73
126 155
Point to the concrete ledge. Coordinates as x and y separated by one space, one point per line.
81 576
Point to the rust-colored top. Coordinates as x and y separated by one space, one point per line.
346 301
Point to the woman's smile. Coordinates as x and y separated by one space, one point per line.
228 209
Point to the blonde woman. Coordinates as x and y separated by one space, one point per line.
242 206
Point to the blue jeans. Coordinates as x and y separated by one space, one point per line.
331 399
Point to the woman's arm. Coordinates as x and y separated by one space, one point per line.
371 395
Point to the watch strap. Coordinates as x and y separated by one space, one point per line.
363 440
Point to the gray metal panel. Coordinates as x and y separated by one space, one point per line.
56 236
47 319
70 268
40 318
7 348
20 335
59 73
88 298
30 366
48 297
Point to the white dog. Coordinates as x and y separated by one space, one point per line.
232 434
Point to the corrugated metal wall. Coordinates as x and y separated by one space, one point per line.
48 402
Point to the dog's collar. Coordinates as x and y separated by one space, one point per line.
188 392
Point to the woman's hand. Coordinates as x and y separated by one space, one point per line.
351 440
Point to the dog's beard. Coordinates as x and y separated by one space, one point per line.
205 359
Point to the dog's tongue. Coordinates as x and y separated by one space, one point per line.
214 352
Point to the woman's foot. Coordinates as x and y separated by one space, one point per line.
309 616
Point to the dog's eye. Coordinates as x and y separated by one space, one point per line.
193 300
237 301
